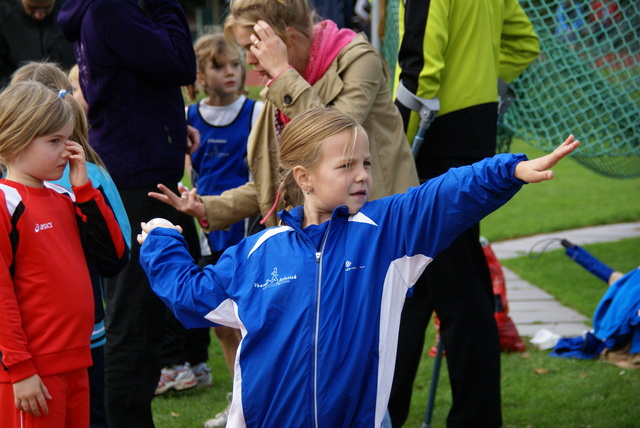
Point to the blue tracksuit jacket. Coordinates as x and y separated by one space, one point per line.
617 316
320 322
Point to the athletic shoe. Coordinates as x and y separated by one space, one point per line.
219 420
202 373
177 377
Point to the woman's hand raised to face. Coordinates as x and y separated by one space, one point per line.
269 49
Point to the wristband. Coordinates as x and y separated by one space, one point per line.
277 75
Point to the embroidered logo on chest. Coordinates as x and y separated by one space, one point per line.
275 280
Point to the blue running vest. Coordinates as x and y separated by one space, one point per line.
219 163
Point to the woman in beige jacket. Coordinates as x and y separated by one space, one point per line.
307 65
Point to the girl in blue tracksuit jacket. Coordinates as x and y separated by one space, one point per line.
318 299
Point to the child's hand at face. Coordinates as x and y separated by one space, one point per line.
152 224
537 170
78 175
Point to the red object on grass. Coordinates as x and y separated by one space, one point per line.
510 340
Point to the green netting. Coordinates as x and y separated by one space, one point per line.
389 39
586 81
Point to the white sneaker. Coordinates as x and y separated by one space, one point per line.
202 373
177 377
219 420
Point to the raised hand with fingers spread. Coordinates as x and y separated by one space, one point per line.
537 170
188 202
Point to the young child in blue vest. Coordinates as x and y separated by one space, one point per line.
318 299
224 118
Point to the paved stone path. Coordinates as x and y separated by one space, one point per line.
532 308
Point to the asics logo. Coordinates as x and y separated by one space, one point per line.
43 226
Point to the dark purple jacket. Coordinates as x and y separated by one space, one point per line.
132 62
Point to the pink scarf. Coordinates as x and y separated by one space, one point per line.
328 41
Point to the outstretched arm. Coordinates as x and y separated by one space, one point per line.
188 202
537 170
219 211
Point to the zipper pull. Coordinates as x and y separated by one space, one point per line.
318 254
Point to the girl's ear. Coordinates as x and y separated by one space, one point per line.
301 175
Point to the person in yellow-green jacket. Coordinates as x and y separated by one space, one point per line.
456 50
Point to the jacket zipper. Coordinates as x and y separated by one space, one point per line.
315 352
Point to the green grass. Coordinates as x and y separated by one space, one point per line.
537 390
190 408
576 197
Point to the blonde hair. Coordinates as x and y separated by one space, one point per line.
209 49
52 76
74 73
279 14
29 110
301 145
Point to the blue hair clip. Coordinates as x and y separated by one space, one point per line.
63 93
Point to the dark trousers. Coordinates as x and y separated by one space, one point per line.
453 285
135 321
182 344
457 285
96 388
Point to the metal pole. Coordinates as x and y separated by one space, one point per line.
375 18
433 388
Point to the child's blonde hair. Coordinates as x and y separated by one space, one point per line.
209 48
29 110
52 76
74 73
279 14
301 145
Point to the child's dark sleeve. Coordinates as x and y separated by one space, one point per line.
99 230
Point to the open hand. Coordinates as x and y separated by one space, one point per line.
537 170
187 202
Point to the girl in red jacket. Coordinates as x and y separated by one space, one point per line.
47 234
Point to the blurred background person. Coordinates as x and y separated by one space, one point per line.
133 57
29 31
456 51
